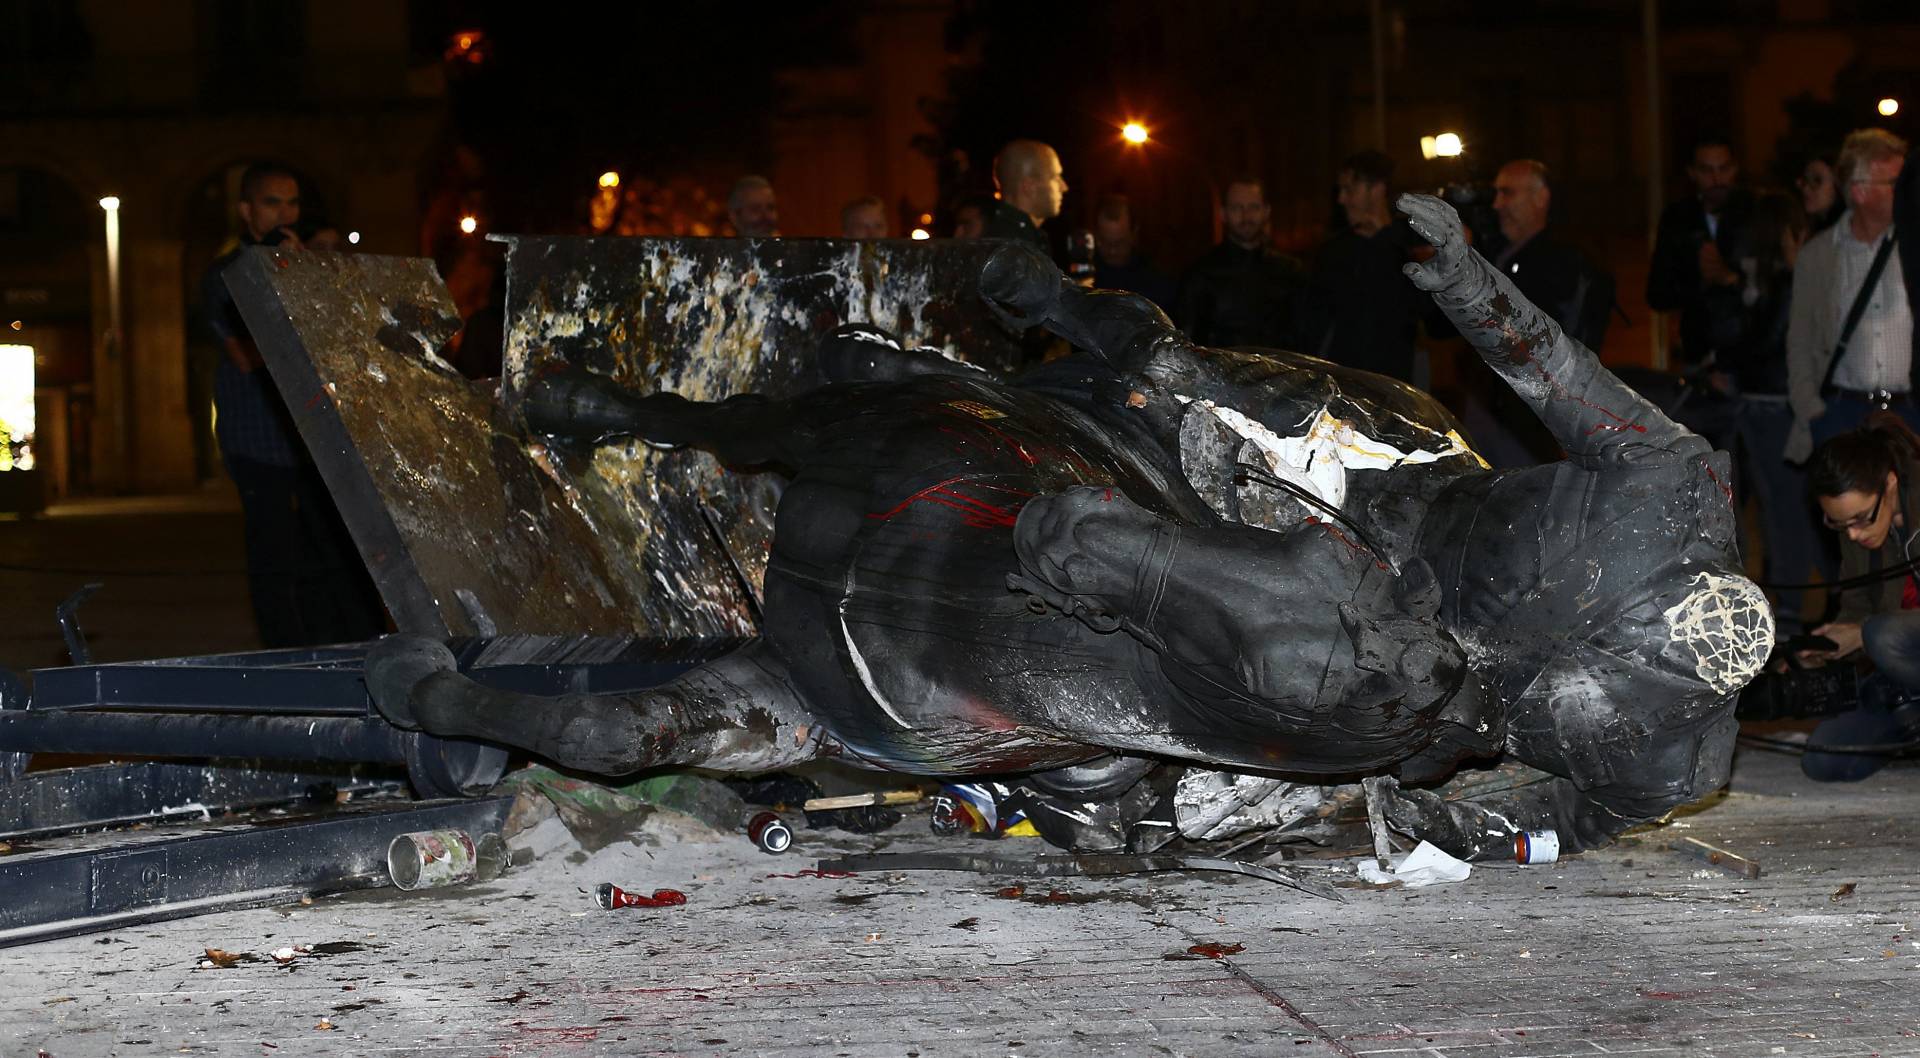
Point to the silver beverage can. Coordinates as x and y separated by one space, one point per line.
426 859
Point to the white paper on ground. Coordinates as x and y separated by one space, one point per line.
1425 865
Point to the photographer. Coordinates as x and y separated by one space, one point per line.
305 581
1865 484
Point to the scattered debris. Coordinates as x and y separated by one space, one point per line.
1532 848
971 925
1377 822
813 872
610 896
1079 864
429 859
226 960
1730 862
1425 865
1204 950
1845 892
324 1025
886 797
769 833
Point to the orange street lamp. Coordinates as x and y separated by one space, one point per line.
1889 107
1134 132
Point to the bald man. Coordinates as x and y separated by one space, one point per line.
1552 274
1558 279
1027 173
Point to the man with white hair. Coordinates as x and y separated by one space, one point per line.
752 208
1850 330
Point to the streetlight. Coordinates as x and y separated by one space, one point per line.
921 234
122 377
353 237
1889 107
1134 132
469 224
610 179
111 205
1441 145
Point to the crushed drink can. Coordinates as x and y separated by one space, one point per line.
1533 847
611 897
770 833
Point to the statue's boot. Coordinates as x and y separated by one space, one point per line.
738 714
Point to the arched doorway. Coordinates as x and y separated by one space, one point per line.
51 249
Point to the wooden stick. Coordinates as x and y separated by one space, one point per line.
890 797
1730 862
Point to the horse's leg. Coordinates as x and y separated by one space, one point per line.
738 714
747 430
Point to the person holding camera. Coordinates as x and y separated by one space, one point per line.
1696 257
304 579
1367 315
1865 484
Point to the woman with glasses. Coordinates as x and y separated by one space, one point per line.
1865 484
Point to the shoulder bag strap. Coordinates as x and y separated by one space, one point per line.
1859 308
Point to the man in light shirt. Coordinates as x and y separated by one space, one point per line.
1876 371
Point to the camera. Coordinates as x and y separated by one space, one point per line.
1800 693
1080 246
1474 203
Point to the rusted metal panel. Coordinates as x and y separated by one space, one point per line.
469 526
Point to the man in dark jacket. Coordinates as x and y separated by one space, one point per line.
1027 172
1694 269
1118 262
1552 274
1367 313
1243 291
1558 279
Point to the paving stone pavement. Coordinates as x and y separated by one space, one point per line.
1633 950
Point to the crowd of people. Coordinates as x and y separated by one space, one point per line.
1795 328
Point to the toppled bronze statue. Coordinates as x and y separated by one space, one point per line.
1250 561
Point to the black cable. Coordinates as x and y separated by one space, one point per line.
1876 748
1248 470
1851 582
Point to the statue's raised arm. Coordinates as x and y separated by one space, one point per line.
1597 418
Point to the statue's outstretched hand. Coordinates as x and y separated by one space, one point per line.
1437 223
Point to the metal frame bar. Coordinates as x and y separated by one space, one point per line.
64 894
102 795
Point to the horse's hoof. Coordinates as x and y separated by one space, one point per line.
395 666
